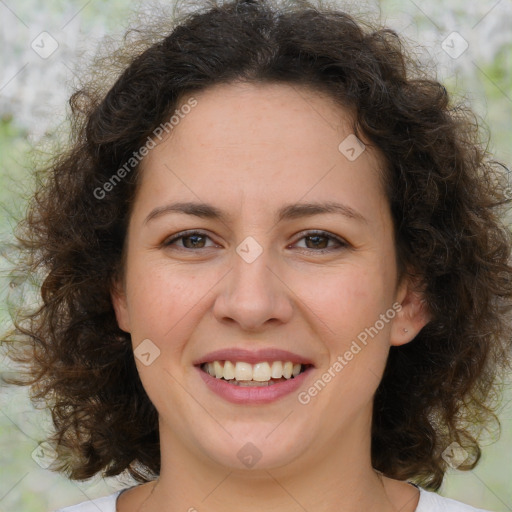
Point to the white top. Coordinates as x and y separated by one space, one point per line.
429 502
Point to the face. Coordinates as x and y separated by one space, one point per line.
256 272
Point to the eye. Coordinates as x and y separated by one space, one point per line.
318 241
189 240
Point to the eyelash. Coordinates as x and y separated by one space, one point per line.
342 244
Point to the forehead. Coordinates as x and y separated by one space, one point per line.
263 143
237 117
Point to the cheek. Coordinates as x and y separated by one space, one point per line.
346 301
152 298
348 306
165 300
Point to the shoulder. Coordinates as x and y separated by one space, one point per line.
428 502
432 502
105 504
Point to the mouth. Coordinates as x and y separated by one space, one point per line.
253 377
261 374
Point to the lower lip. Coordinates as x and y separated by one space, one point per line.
253 394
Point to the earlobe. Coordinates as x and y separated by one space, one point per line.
119 302
412 316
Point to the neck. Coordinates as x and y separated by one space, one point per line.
336 475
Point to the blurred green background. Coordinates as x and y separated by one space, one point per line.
33 93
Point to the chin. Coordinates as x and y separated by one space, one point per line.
254 448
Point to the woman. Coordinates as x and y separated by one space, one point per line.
276 274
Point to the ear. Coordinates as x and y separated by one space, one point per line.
118 297
413 313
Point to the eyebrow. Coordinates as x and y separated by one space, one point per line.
287 212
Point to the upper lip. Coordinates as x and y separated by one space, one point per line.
252 356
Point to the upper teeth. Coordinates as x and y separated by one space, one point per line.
260 372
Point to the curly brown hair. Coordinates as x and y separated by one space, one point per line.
447 199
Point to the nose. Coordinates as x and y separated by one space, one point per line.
253 295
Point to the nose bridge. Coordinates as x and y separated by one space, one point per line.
253 294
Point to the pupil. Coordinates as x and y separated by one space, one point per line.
316 237
194 242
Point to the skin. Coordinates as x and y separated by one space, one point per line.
249 150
